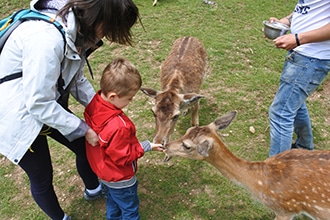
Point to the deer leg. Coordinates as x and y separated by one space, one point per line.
194 114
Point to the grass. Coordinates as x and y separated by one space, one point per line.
243 75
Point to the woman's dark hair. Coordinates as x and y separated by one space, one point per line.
115 16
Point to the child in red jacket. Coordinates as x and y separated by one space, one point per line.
114 160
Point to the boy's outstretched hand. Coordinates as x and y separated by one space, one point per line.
157 147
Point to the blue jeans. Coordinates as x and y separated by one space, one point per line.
288 113
123 204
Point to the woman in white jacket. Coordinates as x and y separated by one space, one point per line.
29 108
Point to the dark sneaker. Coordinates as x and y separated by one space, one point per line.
101 194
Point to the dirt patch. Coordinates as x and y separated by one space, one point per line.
322 95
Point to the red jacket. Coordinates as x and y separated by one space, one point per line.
115 158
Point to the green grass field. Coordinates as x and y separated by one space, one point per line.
243 74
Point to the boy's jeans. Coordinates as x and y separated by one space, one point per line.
123 204
300 77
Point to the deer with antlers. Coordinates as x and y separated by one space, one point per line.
291 183
181 77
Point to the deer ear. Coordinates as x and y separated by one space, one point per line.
203 148
224 121
190 98
150 92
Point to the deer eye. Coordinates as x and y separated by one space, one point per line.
175 117
186 147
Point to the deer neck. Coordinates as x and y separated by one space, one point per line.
175 82
240 171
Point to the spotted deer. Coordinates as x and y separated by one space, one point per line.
181 77
291 183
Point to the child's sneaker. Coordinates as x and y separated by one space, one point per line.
67 217
101 194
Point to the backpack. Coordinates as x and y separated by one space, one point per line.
10 23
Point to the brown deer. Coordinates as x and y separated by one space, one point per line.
181 77
291 183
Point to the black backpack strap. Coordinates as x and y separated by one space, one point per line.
60 84
60 81
88 52
11 77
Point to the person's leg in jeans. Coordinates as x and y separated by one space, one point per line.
303 129
281 121
37 165
300 77
78 147
127 200
113 211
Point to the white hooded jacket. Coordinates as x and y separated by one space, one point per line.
37 49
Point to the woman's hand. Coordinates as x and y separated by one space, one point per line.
92 137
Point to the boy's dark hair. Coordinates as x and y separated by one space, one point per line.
116 17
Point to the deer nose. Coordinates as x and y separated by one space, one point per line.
164 142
